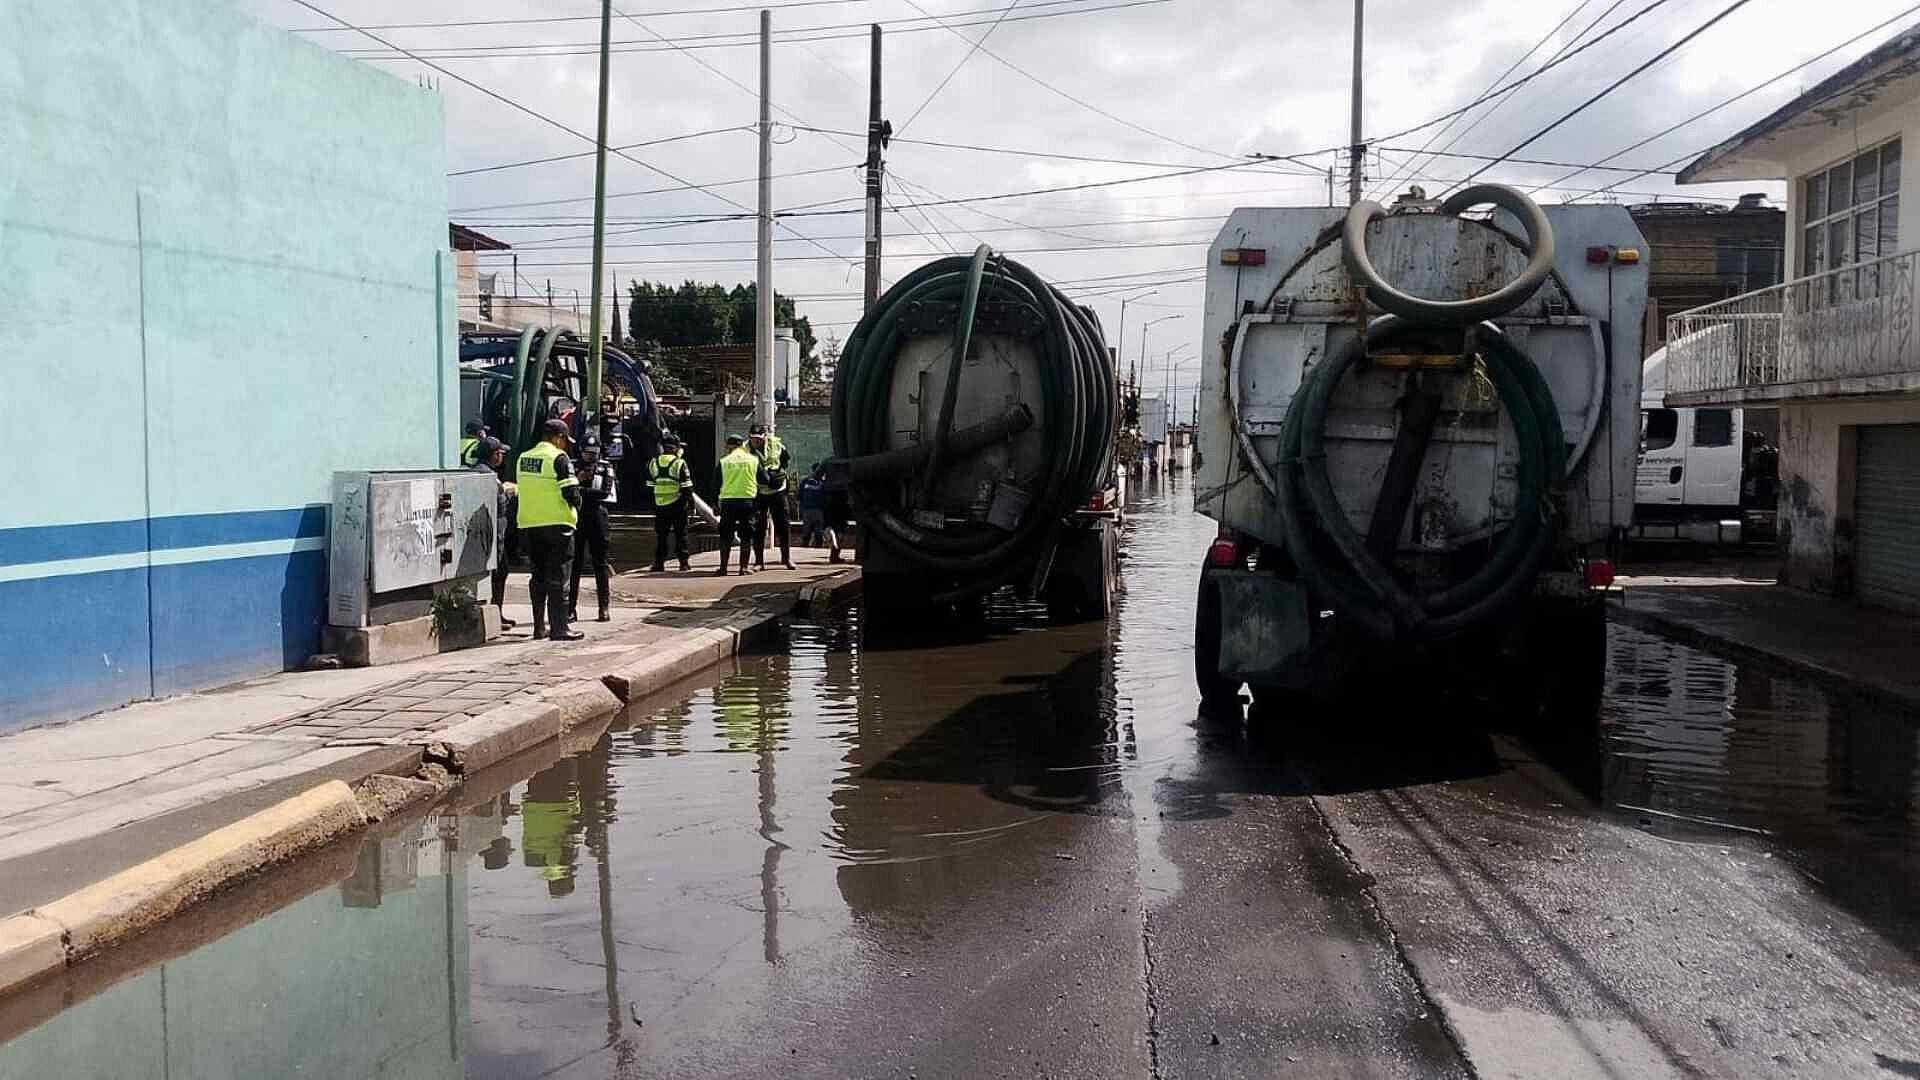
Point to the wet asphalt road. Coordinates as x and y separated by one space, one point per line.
1025 853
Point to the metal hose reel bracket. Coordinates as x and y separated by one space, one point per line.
1473 309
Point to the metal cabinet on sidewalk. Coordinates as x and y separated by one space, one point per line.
398 538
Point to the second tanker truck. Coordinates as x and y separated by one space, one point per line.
1418 430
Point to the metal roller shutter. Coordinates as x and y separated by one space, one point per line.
1886 516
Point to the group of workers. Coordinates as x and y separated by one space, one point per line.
557 512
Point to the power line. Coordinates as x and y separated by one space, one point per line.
719 41
951 248
1511 68
1057 155
964 57
1514 85
545 119
649 191
589 153
1743 95
858 236
1610 88
577 18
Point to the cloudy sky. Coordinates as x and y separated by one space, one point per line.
1060 93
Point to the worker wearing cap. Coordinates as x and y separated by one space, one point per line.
470 444
672 484
771 500
597 489
490 454
739 487
549 511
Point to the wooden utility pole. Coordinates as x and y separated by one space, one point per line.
876 145
596 357
763 309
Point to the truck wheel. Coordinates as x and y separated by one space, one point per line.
1216 690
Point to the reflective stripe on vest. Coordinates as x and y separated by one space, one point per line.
469 450
771 460
669 473
739 475
541 502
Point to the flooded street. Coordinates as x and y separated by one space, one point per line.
1020 851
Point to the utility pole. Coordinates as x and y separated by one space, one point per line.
1329 185
1120 335
763 308
596 356
876 145
1356 150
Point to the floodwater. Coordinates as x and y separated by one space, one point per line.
838 859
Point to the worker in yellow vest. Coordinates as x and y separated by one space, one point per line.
470 444
739 487
549 512
770 500
672 486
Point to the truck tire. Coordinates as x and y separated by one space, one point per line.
1217 692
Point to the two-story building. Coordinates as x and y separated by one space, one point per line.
1836 347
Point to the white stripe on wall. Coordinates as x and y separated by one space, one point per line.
171 557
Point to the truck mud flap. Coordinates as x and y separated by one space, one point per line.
1265 626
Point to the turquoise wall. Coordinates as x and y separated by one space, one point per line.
224 250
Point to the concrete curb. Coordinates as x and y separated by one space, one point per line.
43 941
818 597
83 923
1691 634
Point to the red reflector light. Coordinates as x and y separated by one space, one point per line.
1599 256
1098 502
1243 256
1223 553
1599 573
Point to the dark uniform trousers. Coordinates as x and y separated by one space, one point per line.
550 550
736 520
590 539
670 523
772 506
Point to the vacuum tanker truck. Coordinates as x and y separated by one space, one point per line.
1418 431
974 412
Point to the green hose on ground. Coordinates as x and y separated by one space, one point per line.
1077 411
1332 556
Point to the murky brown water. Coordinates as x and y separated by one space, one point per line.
724 884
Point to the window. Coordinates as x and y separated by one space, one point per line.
1713 427
1849 214
1658 429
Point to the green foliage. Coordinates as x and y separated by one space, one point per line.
455 610
697 313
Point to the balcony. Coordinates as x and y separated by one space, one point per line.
1844 333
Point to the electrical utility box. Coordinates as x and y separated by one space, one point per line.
400 539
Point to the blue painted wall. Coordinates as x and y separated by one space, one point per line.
226 278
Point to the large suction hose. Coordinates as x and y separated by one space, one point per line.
1077 409
1329 553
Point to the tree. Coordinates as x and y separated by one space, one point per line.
821 369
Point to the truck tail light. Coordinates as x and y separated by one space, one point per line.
1098 502
1223 553
1599 573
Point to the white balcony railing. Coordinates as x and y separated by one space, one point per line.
1850 323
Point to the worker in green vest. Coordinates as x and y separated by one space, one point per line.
672 485
739 487
549 511
770 502
470 444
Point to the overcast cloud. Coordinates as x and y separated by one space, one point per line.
1207 77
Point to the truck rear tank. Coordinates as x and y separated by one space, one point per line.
1418 432
974 410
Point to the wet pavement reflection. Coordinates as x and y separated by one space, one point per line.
842 859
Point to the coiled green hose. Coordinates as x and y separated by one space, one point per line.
1077 411
1332 557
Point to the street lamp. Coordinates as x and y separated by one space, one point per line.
1120 335
1167 363
1149 326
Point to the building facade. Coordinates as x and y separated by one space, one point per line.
227 270
1699 253
1834 347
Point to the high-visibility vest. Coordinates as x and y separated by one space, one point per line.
669 475
739 475
770 459
541 501
469 450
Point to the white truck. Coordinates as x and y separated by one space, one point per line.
1705 475
1418 434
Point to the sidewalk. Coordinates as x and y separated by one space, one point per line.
1739 609
87 799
